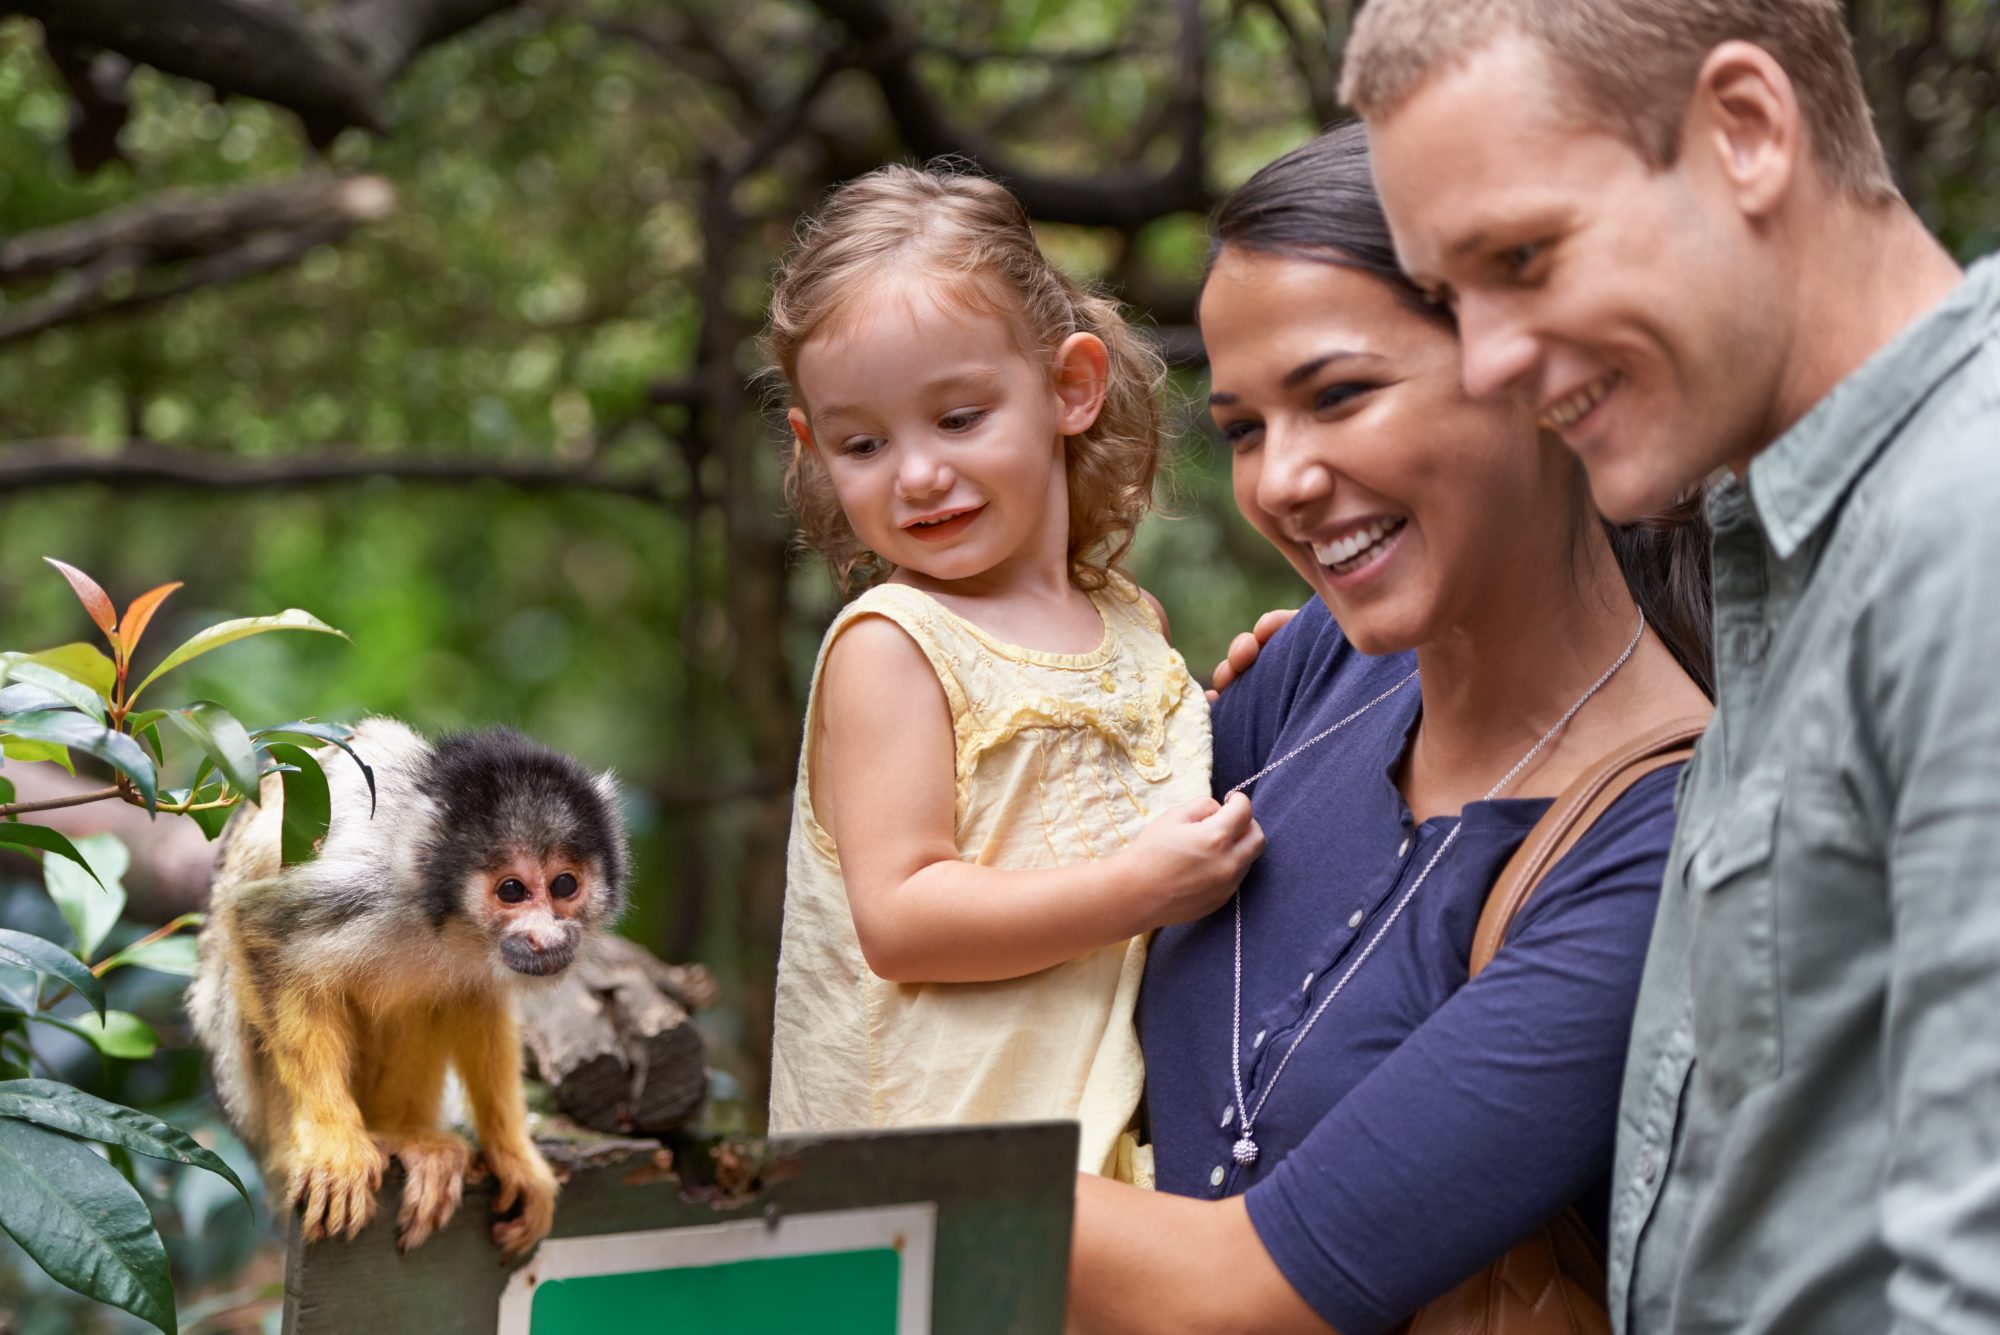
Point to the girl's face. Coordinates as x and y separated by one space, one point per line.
943 439
1406 505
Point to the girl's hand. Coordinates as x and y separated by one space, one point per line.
1187 863
1243 650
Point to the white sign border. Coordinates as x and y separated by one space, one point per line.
910 1230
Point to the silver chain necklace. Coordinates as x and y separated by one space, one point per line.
1245 1149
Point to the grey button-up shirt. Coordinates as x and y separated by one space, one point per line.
1809 1141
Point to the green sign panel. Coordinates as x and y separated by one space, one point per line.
844 1272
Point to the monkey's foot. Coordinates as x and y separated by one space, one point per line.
434 1165
336 1172
525 1176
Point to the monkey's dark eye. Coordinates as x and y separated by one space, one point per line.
512 891
563 886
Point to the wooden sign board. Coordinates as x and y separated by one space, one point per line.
962 1231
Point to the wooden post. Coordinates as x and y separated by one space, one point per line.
991 1205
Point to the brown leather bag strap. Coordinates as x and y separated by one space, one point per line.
1569 818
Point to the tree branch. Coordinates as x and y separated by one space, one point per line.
98 102
63 462
57 803
1118 198
329 67
111 264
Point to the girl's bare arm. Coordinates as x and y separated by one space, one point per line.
884 786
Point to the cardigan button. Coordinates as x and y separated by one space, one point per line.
1215 1176
1354 920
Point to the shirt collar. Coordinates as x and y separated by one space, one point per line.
1801 478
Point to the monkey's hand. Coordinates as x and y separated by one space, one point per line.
434 1165
336 1171
525 1176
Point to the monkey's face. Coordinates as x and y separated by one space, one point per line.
539 907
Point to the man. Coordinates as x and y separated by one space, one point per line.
1669 222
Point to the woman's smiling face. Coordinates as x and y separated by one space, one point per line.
1357 454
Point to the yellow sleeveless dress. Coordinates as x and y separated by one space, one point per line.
1062 758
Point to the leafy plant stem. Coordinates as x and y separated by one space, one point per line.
156 934
56 803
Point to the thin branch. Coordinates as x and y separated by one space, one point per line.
1086 55
57 803
259 255
789 119
62 462
1119 197
1307 60
176 225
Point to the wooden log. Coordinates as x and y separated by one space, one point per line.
614 1042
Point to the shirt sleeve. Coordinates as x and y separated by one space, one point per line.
1498 1111
1931 638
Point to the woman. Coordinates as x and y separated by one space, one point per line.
1407 1131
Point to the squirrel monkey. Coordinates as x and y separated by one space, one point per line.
332 995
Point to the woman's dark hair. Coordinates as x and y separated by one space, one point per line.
1318 202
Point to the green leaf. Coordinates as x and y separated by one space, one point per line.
70 691
308 803
19 950
212 820
6 791
118 1034
81 734
144 725
82 1222
225 741
167 953
228 632
55 1105
27 698
37 836
330 733
91 910
81 662
31 752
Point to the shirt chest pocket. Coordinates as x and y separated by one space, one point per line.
1738 1020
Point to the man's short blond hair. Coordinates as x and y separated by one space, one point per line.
1632 65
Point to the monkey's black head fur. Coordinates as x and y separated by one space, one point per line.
496 792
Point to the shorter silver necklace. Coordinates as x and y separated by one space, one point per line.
1245 1149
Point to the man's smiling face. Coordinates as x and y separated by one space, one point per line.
1633 306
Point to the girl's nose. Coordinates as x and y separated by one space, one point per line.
922 472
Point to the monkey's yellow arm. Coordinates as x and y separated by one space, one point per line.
487 1049
332 1164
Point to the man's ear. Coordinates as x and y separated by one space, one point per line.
1082 374
1745 113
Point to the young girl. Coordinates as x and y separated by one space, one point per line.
1004 780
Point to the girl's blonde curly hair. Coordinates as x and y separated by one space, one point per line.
972 235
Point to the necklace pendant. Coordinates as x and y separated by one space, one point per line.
1245 1151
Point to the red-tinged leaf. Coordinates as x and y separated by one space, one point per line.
139 613
94 599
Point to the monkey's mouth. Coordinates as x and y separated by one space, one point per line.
524 958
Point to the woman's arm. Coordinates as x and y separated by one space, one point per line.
886 788
1143 1262
1497 1111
